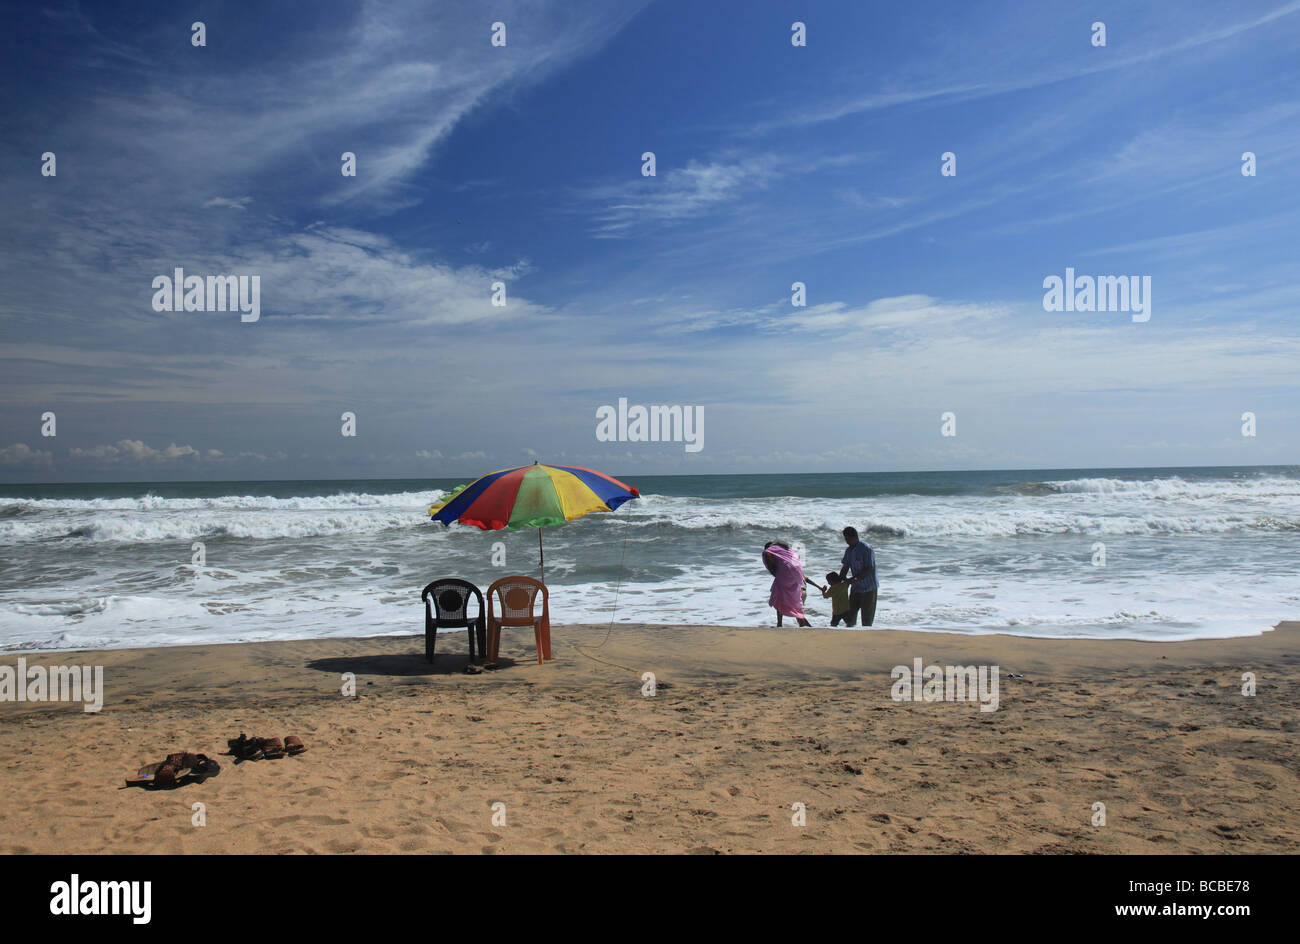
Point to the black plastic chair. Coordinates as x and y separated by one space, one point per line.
449 598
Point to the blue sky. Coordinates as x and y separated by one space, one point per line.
522 164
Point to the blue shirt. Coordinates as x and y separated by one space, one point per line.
859 557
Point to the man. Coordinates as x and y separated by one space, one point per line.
859 560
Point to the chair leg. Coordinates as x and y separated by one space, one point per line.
481 629
537 638
545 631
430 639
493 640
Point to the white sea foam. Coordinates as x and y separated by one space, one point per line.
1175 488
228 502
151 519
1127 512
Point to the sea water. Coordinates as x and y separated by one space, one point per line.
1188 553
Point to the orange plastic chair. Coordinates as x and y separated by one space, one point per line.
517 599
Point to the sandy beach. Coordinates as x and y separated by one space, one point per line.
744 725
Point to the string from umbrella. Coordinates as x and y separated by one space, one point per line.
618 583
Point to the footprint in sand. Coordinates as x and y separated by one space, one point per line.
310 821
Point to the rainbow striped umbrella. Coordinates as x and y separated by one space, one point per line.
534 496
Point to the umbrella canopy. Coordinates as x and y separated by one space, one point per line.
532 496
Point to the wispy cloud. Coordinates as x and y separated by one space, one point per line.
1024 77
237 203
904 313
274 133
679 193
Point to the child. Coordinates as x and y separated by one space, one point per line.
838 594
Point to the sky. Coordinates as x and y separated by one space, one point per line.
522 164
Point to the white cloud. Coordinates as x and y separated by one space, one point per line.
1019 75
134 450
23 454
238 203
678 193
389 84
902 312
339 274
389 81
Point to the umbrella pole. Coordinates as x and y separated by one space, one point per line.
541 558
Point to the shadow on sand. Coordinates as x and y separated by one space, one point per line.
403 664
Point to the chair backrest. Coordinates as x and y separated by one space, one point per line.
517 598
450 597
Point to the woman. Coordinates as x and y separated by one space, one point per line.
787 584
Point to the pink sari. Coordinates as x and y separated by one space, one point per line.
787 588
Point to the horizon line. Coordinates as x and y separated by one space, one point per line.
408 478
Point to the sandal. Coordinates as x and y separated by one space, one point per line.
293 744
202 766
168 776
272 748
154 775
174 770
246 748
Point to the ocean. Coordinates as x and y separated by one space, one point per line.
1188 553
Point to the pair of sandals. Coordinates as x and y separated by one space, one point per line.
255 748
176 769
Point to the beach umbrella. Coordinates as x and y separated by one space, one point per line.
532 496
